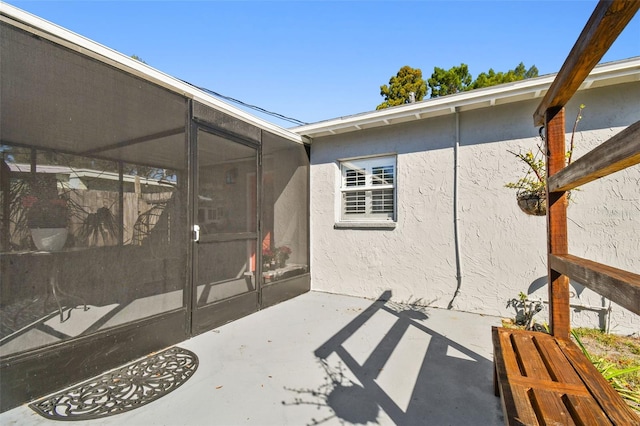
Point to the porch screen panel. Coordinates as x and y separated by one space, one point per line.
100 156
224 270
285 216
225 122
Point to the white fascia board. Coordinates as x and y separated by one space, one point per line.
97 174
479 98
86 173
420 109
26 168
87 47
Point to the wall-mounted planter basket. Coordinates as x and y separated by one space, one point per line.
533 204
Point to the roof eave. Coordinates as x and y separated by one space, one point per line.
605 74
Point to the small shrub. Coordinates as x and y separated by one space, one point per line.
621 372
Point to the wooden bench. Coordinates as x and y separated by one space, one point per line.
543 380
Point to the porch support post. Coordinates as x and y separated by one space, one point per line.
559 314
5 191
121 203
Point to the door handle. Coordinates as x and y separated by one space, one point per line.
196 233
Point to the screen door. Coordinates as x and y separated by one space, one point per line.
225 230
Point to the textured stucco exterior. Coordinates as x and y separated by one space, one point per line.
502 250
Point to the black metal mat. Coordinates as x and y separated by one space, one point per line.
123 389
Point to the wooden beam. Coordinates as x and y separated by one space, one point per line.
618 153
559 314
607 21
617 285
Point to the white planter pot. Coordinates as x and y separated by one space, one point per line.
49 239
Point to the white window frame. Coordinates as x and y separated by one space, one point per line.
373 192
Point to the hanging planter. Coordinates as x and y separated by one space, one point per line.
531 188
533 204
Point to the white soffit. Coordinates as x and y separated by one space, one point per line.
607 74
87 47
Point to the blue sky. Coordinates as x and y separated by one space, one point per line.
316 60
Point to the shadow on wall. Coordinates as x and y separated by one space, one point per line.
575 302
414 374
541 282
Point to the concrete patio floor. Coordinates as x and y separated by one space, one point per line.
329 359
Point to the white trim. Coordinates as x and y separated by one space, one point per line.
366 225
89 173
367 216
366 157
87 47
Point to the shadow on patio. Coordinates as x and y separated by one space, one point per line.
414 374
330 359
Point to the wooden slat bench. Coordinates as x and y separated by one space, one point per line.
543 380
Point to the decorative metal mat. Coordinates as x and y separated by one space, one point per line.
123 389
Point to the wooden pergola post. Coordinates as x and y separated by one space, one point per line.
559 313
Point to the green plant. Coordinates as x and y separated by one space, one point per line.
534 182
613 374
102 223
525 310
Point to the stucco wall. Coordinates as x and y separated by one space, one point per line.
503 251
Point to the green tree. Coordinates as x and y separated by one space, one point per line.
406 81
138 58
492 78
447 82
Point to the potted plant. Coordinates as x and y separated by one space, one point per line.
268 258
282 255
531 189
47 219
